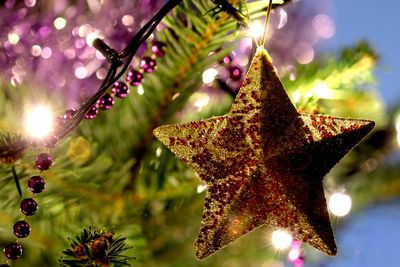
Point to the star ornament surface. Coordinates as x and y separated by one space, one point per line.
264 163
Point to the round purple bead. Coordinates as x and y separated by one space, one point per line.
43 161
28 206
13 251
36 184
158 48
106 101
235 73
92 113
120 89
134 77
69 113
63 119
148 64
21 229
50 142
226 60
59 121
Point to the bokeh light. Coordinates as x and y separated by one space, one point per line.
81 72
46 52
323 26
339 204
13 38
281 239
209 75
303 52
294 254
59 23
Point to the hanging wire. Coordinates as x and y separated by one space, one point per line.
264 36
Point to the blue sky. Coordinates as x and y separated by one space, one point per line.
371 237
379 23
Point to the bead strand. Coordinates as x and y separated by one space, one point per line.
134 77
28 207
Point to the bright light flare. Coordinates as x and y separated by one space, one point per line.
39 122
281 239
256 29
339 204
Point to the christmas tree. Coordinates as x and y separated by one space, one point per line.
109 193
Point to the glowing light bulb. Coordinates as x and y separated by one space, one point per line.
339 204
39 122
256 29
281 239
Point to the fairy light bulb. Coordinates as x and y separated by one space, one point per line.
339 204
281 239
39 122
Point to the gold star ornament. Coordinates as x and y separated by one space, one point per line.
264 163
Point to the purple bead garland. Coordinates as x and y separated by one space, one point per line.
106 101
235 73
13 251
158 48
21 229
92 113
28 206
134 77
43 161
36 184
147 64
120 89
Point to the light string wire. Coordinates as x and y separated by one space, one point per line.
264 36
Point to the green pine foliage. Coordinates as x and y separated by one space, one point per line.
95 248
112 173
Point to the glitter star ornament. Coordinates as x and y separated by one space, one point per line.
264 163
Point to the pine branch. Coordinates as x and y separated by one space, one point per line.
12 147
190 37
96 248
